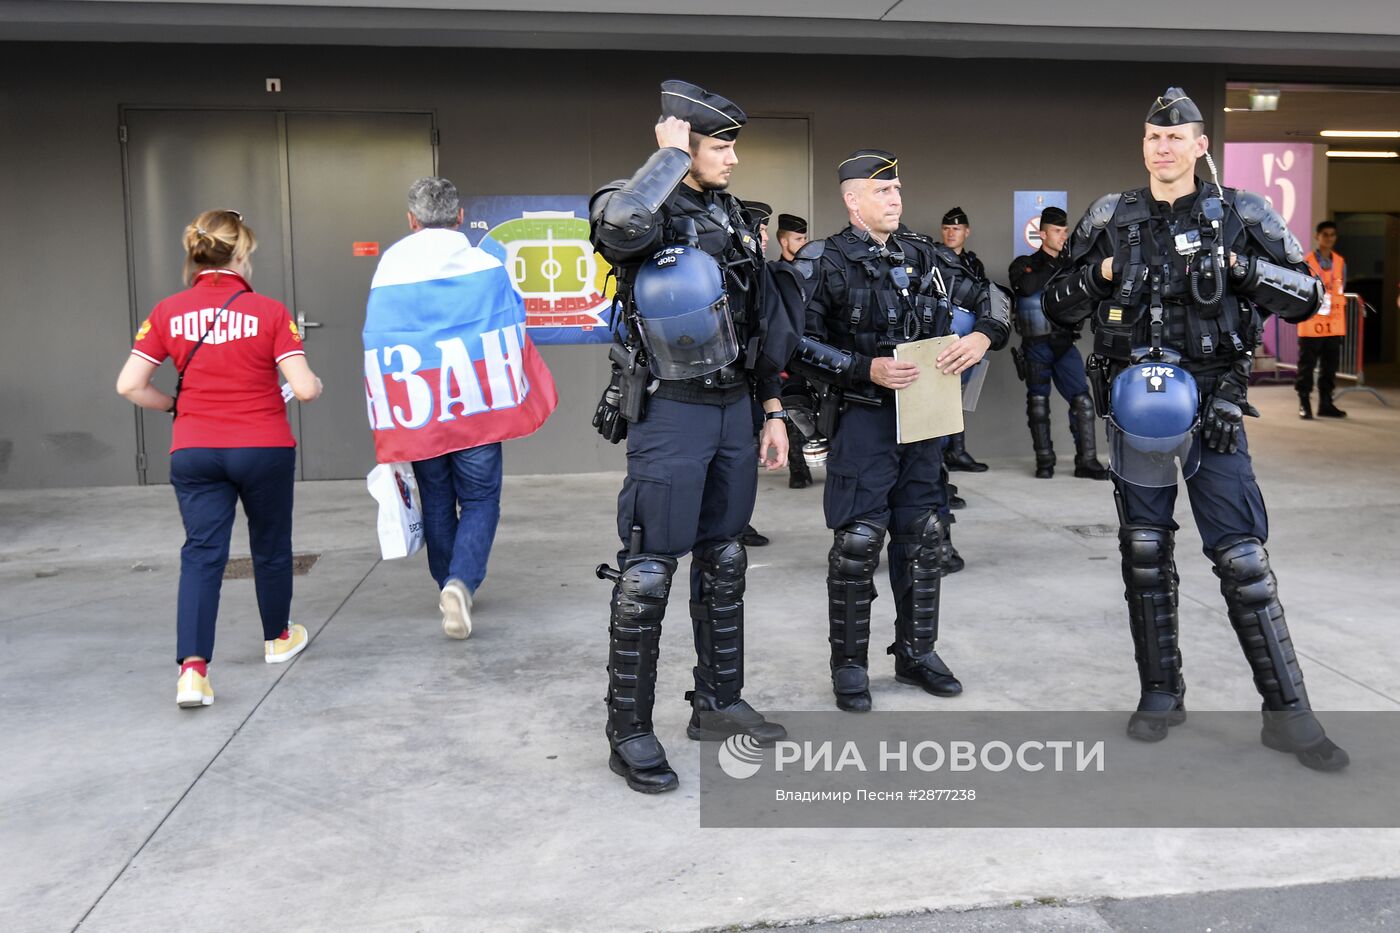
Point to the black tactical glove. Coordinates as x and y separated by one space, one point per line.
1222 425
1222 421
607 417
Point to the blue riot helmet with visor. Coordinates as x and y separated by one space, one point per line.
682 314
1152 424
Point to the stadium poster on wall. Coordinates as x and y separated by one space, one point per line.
1025 216
543 243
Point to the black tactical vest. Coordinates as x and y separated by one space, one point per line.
872 312
1157 271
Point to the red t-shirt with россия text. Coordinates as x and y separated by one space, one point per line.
231 396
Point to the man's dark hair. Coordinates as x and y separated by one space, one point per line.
1327 225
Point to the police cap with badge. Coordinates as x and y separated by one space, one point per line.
1174 108
875 164
708 114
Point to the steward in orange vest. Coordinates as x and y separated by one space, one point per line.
1331 319
1320 336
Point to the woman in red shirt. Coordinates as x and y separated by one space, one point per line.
231 437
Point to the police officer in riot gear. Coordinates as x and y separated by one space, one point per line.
690 275
955 229
797 395
1181 271
1048 352
868 288
792 235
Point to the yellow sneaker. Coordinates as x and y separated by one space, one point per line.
193 690
286 646
456 605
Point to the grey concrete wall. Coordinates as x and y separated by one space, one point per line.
511 123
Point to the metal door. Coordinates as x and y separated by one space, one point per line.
311 185
775 167
349 174
178 164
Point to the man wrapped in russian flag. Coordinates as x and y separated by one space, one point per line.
450 372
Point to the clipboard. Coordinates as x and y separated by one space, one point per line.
932 405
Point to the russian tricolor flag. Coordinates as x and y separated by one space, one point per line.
448 363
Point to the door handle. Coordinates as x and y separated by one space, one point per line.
303 324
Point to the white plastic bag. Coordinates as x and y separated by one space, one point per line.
400 509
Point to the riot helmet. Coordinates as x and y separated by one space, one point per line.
1152 424
682 312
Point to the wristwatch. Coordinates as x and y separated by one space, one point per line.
779 415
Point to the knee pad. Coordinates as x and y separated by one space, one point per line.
855 552
926 535
722 570
1243 569
1147 557
1038 407
643 587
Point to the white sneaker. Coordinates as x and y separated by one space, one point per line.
456 605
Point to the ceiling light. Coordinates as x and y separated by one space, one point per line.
1263 98
1362 134
1361 154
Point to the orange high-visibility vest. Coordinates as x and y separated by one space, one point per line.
1331 319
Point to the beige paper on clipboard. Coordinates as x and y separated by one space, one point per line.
932 405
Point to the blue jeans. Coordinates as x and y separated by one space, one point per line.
209 482
459 546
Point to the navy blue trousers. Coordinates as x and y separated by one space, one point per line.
209 482
1225 500
871 478
1061 362
692 476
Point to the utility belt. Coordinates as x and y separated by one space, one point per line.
723 387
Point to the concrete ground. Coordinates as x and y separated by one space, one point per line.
390 779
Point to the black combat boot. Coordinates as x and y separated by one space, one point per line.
752 537
1086 458
1038 418
1325 408
717 712
1305 407
916 612
850 590
956 457
1251 595
634 644
955 501
1149 575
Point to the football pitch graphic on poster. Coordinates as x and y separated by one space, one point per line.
543 242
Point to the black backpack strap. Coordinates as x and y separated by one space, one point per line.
180 380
